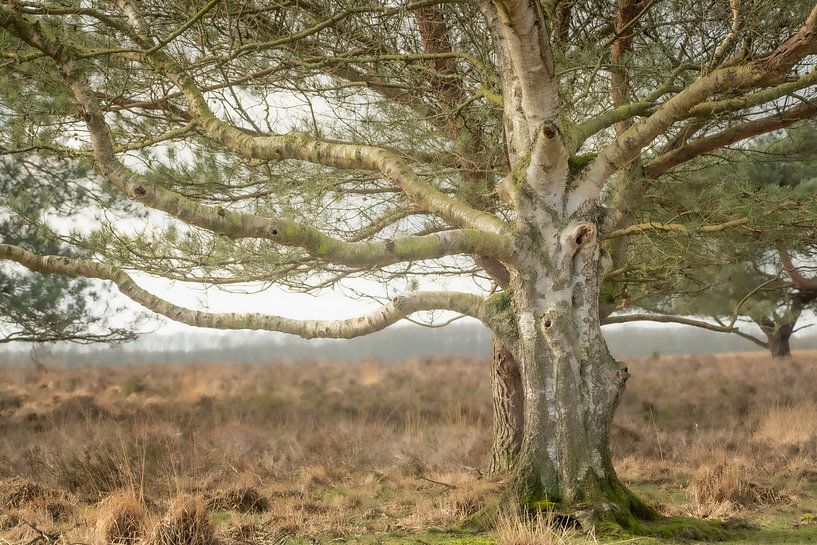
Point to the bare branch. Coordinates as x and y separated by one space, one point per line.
664 318
641 228
731 37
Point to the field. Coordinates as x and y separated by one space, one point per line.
381 453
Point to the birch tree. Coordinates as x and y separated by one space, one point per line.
309 143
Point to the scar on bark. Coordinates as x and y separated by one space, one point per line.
551 130
584 233
580 236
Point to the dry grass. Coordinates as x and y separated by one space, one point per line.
516 528
724 489
731 482
121 518
185 524
22 492
328 450
243 500
789 426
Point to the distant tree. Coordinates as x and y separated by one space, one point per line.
308 143
736 277
729 296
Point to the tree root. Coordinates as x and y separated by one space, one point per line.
633 518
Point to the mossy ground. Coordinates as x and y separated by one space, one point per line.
794 522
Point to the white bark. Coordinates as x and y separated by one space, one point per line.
394 311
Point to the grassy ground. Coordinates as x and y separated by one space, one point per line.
379 454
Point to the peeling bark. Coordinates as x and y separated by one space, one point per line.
571 383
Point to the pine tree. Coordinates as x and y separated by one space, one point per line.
313 142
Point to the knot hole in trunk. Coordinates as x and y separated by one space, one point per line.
578 236
583 234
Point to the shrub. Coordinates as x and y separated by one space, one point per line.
731 483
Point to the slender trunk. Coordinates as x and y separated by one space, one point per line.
506 386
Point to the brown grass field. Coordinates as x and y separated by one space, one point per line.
380 453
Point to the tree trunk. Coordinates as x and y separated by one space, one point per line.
777 333
571 384
506 387
778 341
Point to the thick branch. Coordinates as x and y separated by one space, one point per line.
629 144
338 155
305 148
704 110
434 32
641 107
763 96
736 133
802 283
272 148
399 308
238 225
619 83
522 25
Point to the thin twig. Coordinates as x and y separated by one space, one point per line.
451 486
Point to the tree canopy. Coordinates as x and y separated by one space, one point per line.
746 272
516 143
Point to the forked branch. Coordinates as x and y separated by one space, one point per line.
240 225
